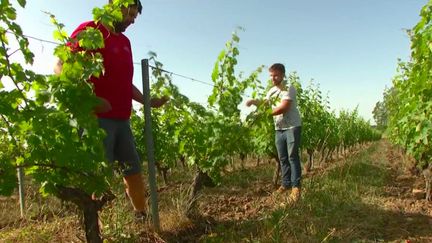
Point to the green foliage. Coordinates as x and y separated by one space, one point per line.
110 13
380 115
231 132
205 137
260 125
7 170
321 129
168 122
47 122
408 102
315 114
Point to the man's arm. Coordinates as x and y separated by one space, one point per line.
282 108
102 106
154 102
58 66
137 95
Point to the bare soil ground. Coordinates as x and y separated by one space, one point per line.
246 198
408 216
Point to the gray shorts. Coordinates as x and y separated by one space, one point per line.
120 145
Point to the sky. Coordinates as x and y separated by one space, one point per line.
349 47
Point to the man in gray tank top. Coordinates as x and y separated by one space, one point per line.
287 122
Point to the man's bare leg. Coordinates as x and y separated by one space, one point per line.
135 189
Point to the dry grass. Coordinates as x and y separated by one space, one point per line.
365 198
65 229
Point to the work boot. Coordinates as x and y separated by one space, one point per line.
295 195
142 217
282 189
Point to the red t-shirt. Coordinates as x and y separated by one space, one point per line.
115 84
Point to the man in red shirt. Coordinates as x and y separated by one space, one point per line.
116 91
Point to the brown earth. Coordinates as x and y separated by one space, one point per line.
232 205
409 211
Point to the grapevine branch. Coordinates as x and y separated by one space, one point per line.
8 63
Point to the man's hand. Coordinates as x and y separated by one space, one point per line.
102 106
158 102
252 102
